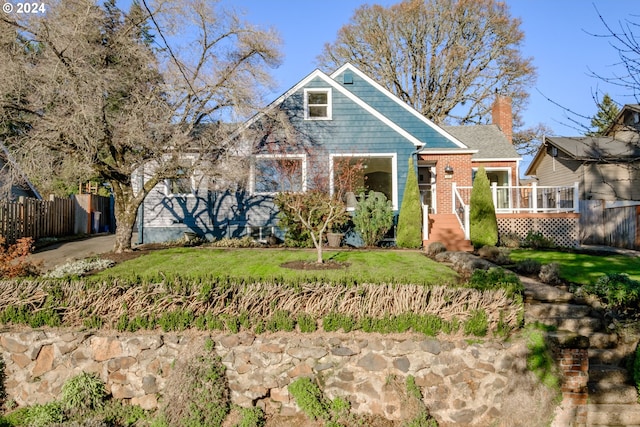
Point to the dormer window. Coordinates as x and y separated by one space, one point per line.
317 104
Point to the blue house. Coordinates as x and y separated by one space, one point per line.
303 140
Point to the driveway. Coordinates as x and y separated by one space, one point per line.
63 252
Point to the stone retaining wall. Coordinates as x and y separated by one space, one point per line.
462 383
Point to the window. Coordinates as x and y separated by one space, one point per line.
355 174
181 185
279 173
317 104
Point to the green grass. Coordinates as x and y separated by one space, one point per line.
377 266
583 268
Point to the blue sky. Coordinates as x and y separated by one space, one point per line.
556 36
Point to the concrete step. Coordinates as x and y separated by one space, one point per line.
539 292
614 356
603 340
612 393
557 310
613 415
584 326
608 375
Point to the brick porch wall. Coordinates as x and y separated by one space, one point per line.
461 164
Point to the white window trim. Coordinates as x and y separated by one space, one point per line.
329 103
394 172
252 178
507 169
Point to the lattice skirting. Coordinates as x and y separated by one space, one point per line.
563 231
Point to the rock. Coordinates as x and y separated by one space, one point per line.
105 348
343 351
12 346
402 364
44 361
372 362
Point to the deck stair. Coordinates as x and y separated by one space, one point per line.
613 399
445 228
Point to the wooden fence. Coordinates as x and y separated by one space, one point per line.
36 218
610 224
56 217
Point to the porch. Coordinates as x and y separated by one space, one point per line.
520 209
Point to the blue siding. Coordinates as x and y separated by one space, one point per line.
400 116
352 130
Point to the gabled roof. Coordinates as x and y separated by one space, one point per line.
488 140
333 83
589 149
619 120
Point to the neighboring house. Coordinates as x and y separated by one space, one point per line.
306 138
13 182
605 167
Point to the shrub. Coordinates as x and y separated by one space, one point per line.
281 321
510 240
13 258
308 397
550 273
494 254
197 393
477 324
536 240
228 242
436 248
82 393
252 417
44 415
616 290
306 322
528 267
483 224
78 268
373 217
495 278
410 218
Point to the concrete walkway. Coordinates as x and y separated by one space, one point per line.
72 250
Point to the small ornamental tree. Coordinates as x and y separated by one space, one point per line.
410 219
313 211
483 223
373 217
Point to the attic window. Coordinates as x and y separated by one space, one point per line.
317 104
348 78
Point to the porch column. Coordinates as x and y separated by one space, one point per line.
534 197
576 198
425 222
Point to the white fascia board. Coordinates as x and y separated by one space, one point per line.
345 92
351 67
447 151
501 159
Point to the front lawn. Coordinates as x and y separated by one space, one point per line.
582 268
377 266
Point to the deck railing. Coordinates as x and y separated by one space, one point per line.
527 198
518 199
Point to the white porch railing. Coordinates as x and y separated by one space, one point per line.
519 199
528 198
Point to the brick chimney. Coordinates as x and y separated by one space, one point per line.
502 116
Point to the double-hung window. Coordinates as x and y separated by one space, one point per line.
180 185
274 173
317 104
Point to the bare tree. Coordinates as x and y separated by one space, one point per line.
114 92
445 58
624 38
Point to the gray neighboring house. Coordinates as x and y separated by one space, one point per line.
606 167
11 175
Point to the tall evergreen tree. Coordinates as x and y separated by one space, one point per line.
607 112
410 219
483 223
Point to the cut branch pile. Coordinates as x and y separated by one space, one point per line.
79 300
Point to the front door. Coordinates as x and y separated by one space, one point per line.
427 186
